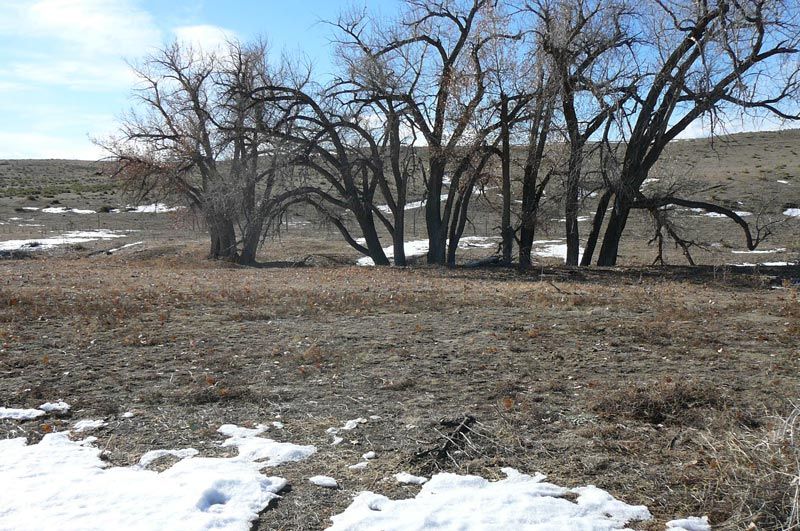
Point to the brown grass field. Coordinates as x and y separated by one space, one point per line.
672 387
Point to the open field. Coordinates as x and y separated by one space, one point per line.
666 386
630 381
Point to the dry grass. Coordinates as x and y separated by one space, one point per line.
756 483
662 402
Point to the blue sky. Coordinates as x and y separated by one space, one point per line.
63 75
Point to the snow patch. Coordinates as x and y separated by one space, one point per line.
740 213
67 210
270 453
792 212
86 425
782 181
65 239
112 251
11 413
409 479
761 251
153 455
519 502
153 208
55 407
693 523
324 481
63 484
359 466
420 247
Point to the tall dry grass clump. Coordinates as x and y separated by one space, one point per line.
758 477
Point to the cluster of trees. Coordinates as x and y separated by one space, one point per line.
445 93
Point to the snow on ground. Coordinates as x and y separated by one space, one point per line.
552 249
409 206
57 407
782 181
359 466
518 502
64 239
740 213
324 481
792 212
67 210
761 251
88 425
154 208
420 247
409 479
253 448
112 251
153 455
767 264
693 523
12 413
63 484
541 248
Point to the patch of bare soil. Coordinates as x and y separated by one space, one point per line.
641 382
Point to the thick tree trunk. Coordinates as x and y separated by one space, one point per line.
507 232
373 242
597 224
616 226
223 239
398 238
572 204
436 228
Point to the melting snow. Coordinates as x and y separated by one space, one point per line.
58 407
761 251
86 425
324 481
782 181
409 479
792 212
112 251
253 448
63 484
67 210
693 523
65 239
152 208
420 247
20 414
153 455
409 206
518 502
740 213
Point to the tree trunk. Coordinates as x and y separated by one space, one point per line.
597 224
223 239
507 232
613 234
398 238
373 243
572 203
436 228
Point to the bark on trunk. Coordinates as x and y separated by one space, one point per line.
597 224
437 230
616 226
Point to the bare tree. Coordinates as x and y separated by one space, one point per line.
588 44
700 60
194 136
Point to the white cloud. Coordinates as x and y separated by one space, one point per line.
105 27
204 37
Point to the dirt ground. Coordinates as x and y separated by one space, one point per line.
672 387
647 382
